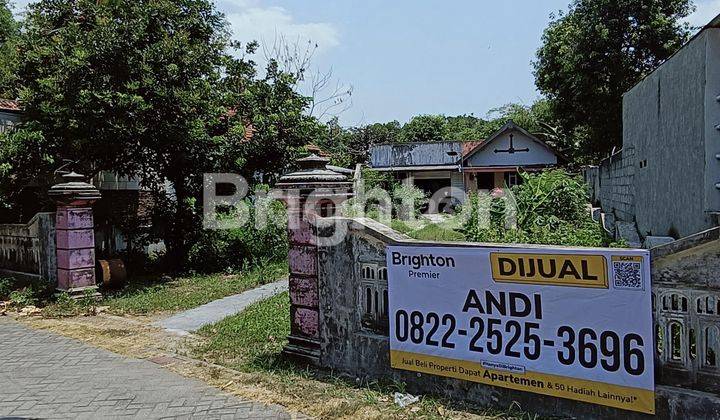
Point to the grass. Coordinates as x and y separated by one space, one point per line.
188 292
251 342
429 231
259 331
434 232
144 296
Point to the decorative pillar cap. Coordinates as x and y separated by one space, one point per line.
313 174
74 190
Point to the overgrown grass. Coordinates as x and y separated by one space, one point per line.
143 296
434 232
252 339
251 342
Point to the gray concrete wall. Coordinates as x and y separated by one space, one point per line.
712 120
664 121
615 188
665 178
359 349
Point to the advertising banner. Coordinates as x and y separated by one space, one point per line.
570 323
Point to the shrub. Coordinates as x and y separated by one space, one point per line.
234 249
6 286
434 232
551 209
400 226
375 179
408 201
23 297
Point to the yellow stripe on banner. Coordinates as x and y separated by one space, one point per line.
627 398
550 269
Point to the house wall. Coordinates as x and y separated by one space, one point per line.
8 119
538 154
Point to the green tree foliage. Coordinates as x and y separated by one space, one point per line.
9 32
148 88
349 146
424 128
591 55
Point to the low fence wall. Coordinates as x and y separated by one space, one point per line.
686 305
27 251
611 184
353 325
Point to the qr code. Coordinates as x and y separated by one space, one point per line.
627 275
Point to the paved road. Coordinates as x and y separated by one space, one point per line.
44 375
210 313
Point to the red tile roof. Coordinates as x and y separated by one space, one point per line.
311 148
9 105
469 146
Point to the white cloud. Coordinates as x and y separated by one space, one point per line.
705 12
251 21
265 24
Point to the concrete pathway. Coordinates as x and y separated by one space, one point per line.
44 375
194 319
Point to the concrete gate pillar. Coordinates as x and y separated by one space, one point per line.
75 236
310 193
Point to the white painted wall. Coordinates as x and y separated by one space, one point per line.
538 154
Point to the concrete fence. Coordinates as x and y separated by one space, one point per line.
352 326
611 184
27 251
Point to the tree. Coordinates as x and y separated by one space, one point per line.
466 128
424 128
149 89
9 31
596 52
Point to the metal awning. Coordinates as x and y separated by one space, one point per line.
504 168
454 168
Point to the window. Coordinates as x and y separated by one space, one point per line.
374 298
512 179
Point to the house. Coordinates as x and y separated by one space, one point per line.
666 179
467 166
10 113
125 202
496 161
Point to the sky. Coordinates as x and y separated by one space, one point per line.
409 57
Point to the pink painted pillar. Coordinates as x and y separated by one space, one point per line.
306 191
75 236
75 241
